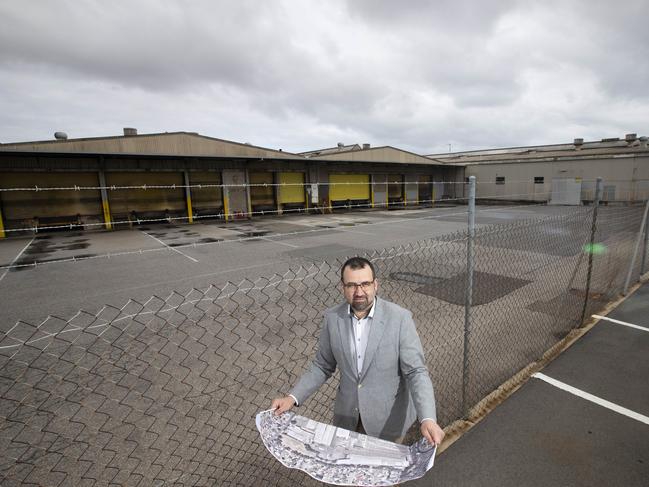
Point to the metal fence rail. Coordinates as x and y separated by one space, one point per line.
164 392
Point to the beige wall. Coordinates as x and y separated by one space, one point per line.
629 175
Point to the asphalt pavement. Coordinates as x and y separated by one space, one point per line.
583 421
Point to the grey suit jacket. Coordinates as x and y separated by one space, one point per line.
394 386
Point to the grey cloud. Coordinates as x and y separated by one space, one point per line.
415 74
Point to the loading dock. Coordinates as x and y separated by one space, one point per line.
140 199
291 192
425 190
41 207
395 190
346 189
262 191
207 197
379 190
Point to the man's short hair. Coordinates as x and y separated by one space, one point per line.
357 263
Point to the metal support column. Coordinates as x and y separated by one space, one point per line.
104 201
188 197
2 228
468 299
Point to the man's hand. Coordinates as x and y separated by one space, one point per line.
282 404
432 432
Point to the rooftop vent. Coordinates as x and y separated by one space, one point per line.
341 145
60 136
366 146
643 141
130 131
578 143
631 138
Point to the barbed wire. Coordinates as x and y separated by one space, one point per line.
220 186
295 234
237 215
145 187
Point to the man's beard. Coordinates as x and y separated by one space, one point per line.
361 305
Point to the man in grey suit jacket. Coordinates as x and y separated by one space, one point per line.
384 382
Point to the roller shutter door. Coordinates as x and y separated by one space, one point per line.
344 187
149 201
380 190
57 205
294 191
261 196
209 199
425 189
412 192
395 187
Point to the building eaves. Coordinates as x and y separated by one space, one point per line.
537 156
142 155
10 146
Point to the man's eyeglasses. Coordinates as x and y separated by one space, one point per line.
352 286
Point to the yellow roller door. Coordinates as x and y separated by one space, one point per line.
123 201
21 205
349 187
294 192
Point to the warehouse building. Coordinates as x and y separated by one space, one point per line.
107 182
560 173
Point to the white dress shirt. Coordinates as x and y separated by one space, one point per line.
359 335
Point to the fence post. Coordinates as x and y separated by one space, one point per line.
635 250
645 249
593 229
469 293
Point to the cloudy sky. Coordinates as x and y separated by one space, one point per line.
300 74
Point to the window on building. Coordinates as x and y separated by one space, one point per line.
500 179
539 179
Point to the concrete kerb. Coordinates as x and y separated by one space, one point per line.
477 413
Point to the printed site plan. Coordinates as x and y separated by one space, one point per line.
338 456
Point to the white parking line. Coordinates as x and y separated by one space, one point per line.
16 258
269 239
630 325
589 397
169 247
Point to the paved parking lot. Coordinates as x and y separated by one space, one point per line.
584 421
156 259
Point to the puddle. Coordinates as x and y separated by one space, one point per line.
75 246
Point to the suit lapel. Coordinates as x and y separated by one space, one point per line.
344 332
376 333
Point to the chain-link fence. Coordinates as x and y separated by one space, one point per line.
165 392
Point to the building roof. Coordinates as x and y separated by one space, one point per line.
330 150
613 147
385 154
185 144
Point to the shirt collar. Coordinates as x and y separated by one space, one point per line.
369 315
